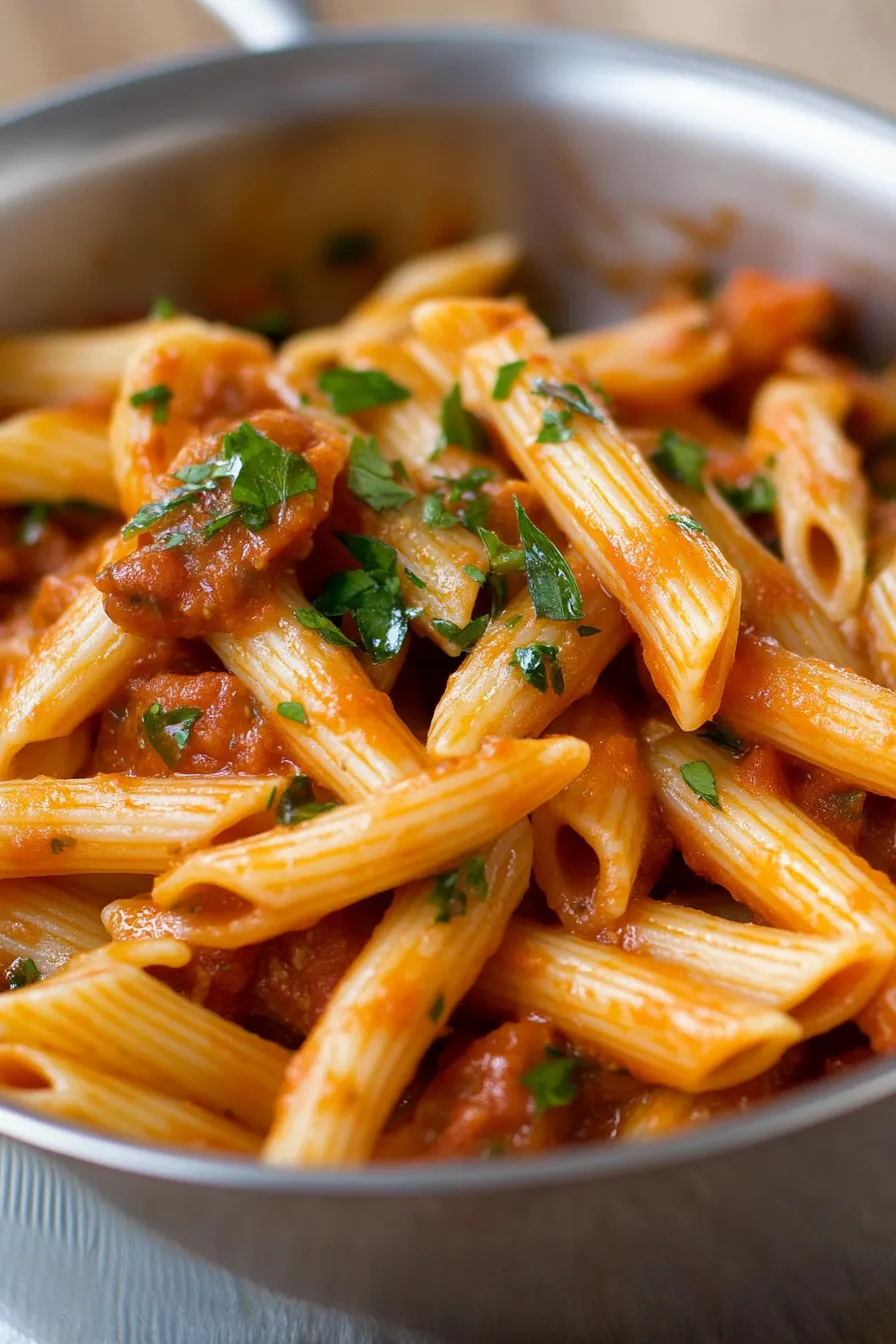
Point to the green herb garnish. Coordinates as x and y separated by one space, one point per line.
681 459
452 889
552 1083
462 637
502 559
758 496
372 479
161 309
437 1009
586 631
505 378
535 661
32 523
460 427
20 972
60 842
552 585
720 735
435 514
168 730
298 803
687 523
700 780
348 248
292 710
315 620
352 390
158 397
571 396
475 574
372 594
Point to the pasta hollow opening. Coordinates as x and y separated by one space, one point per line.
840 995
743 1065
824 559
22 1075
579 866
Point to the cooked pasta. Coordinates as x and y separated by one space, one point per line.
361 799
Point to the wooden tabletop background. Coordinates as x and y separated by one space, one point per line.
849 44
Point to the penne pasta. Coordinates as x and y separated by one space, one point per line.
818 712
678 592
66 366
819 981
764 850
419 826
111 823
114 1016
489 697
879 623
821 502
56 455
665 1026
53 1085
47 922
343 1084
591 837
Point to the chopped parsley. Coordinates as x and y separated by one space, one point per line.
435 514
570 396
681 459
271 799
720 735
437 1009
514 621
552 1083
372 479
462 636
536 661
460 428
451 890
466 490
555 427
168 730
161 309
849 803
158 397
414 578
552 585
348 248
757 496
475 574
687 523
586 631
262 475
32 524
314 620
292 710
298 803
502 559
700 779
21 972
60 842
273 322
505 378
372 594
352 390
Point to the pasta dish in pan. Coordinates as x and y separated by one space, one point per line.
432 737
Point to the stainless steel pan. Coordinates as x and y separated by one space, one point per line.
613 160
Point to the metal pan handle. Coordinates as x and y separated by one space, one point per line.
262 25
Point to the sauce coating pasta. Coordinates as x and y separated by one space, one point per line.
295 641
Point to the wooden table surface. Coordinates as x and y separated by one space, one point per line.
850 44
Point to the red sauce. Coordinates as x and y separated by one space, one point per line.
202 585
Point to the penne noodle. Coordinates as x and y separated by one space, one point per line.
674 586
58 757
114 1016
662 1024
591 837
660 1112
670 353
353 741
54 456
879 623
443 329
74 668
820 982
66 366
52 1085
47 922
821 503
417 827
772 602
113 823
813 710
765 851
488 696
343 1084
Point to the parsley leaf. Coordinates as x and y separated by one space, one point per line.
552 1083
60 842
266 475
314 620
534 661
372 479
150 513
272 321
555 427
569 395
687 523
586 631
31 524
352 390
435 514
514 621
452 889
462 637
20 972
460 427
552 585
372 594
758 496
298 803
291 709
506 377
414 578
168 730
681 459
348 248
720 735
437 1009
475 574
466 491
700 780
161 309
850 803
158 397
502 559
